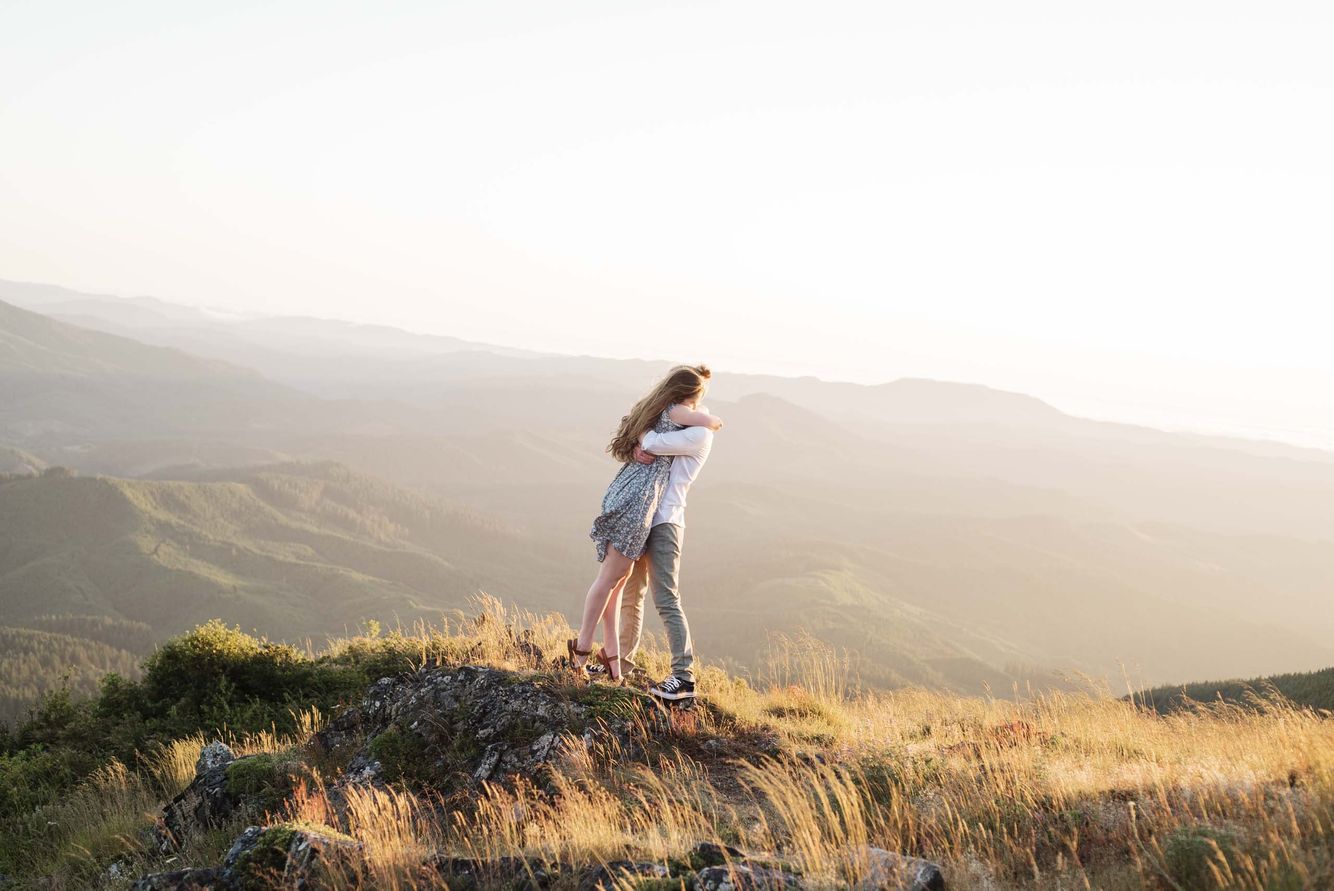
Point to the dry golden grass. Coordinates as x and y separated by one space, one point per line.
1057 790
107 819
1045 791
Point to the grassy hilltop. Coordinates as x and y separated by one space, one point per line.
1069 790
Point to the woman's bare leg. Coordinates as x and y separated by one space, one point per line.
611 625
615 570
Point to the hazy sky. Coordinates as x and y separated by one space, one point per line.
1126 208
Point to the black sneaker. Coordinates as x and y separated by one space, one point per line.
673 688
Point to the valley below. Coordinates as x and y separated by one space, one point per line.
944 535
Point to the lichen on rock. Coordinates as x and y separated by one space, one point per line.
451 728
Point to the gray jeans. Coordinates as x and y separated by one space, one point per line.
659 568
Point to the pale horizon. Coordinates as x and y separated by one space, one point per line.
1175 419
1121 213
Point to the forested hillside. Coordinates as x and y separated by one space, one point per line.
300 550
35 662
1308 688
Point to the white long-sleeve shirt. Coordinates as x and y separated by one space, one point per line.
689 449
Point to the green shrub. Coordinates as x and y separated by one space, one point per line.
377 657
205 680
33 776
251 775
211 678
215 675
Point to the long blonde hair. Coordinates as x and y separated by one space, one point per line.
684 383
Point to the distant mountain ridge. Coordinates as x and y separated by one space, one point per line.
312 354
210 332
34 343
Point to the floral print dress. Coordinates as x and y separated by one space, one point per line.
632 500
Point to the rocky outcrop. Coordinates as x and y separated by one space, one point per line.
287 856
281 856
451 729
182 880
442 728
464 873
205 802
620 874
214 755
743 877
305 857
224 787
467 725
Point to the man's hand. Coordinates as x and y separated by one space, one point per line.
644 457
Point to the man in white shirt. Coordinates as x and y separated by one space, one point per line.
660 566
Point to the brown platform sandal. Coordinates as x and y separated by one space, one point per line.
572 647
614 676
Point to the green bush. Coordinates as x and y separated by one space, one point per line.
208 679
376 657
33 776
215 676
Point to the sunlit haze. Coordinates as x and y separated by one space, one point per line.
1123 209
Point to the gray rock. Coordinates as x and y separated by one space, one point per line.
545 746
204 803
463 873
743 877
362 772
298 857
244 842
888 871
615 874
215 754
712 854
182 880
490 758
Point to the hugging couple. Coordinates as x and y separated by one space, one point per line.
662 444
